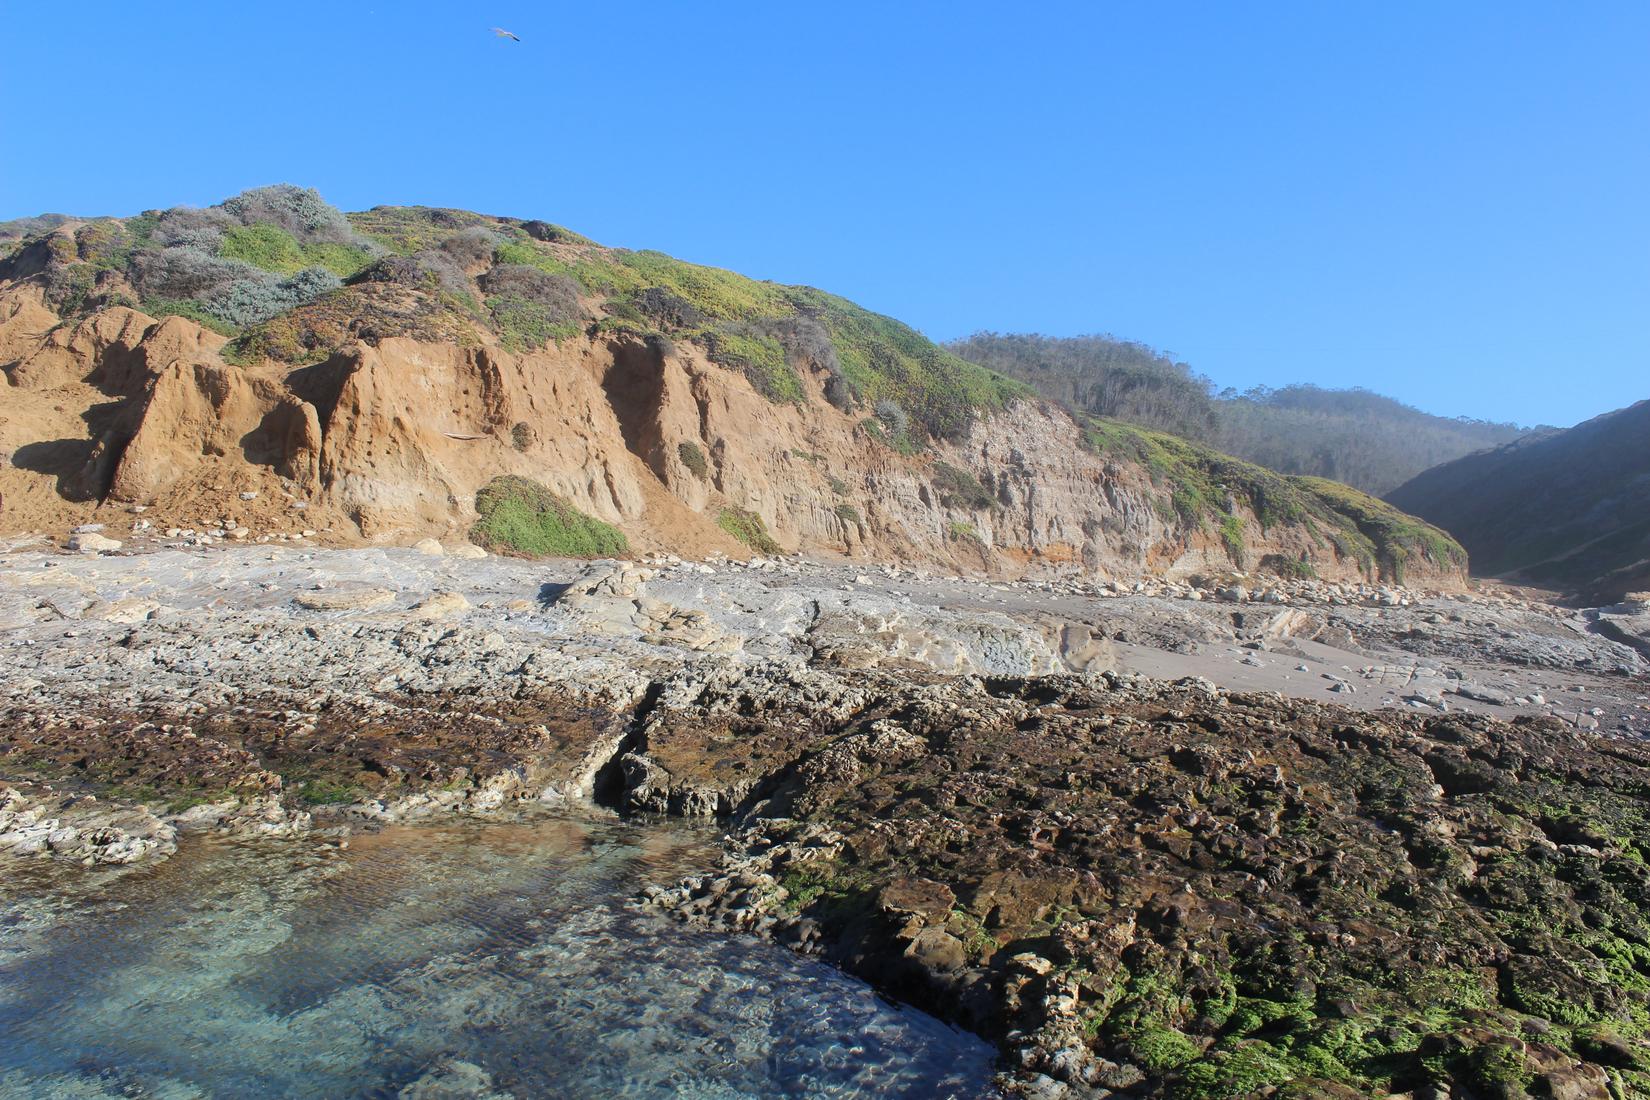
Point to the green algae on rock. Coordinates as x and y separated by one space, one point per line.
1175 892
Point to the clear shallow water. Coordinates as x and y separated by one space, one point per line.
470 960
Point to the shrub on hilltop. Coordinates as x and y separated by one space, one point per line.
248 302
186 272
531 307
472 247
301 211
253 257
429 270
520 281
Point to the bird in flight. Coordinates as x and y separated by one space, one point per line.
502 33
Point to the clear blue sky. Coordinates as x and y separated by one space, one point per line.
1447 202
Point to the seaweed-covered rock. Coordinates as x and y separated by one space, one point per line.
1180 892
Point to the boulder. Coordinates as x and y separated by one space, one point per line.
938 950
441 606
90 542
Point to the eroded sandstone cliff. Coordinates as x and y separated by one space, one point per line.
377 410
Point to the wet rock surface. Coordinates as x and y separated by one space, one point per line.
393 760
1162 838
83 829
1149 889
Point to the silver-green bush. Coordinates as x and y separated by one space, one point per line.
252 301
300 211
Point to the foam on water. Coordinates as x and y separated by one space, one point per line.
473 960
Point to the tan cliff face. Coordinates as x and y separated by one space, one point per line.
389 443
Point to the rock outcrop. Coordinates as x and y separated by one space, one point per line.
79 828
392 442
1146 889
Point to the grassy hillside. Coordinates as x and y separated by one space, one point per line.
1567 509
1363 439
1207 489
291 278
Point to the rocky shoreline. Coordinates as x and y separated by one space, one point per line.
1143 889
965 792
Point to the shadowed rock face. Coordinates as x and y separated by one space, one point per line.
409 747
1168 890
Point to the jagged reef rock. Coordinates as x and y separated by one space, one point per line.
79 829
612 598
1163 890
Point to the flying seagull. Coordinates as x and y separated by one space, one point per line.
502 33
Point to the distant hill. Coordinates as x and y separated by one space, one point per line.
1363 439
1102 376
17 230
1565 509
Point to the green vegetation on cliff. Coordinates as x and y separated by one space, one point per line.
265 267
289 278
521 517
748 528
770 331
1205 488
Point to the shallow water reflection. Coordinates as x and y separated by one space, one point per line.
470 960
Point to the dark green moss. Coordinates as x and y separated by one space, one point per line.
693 457
322 792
